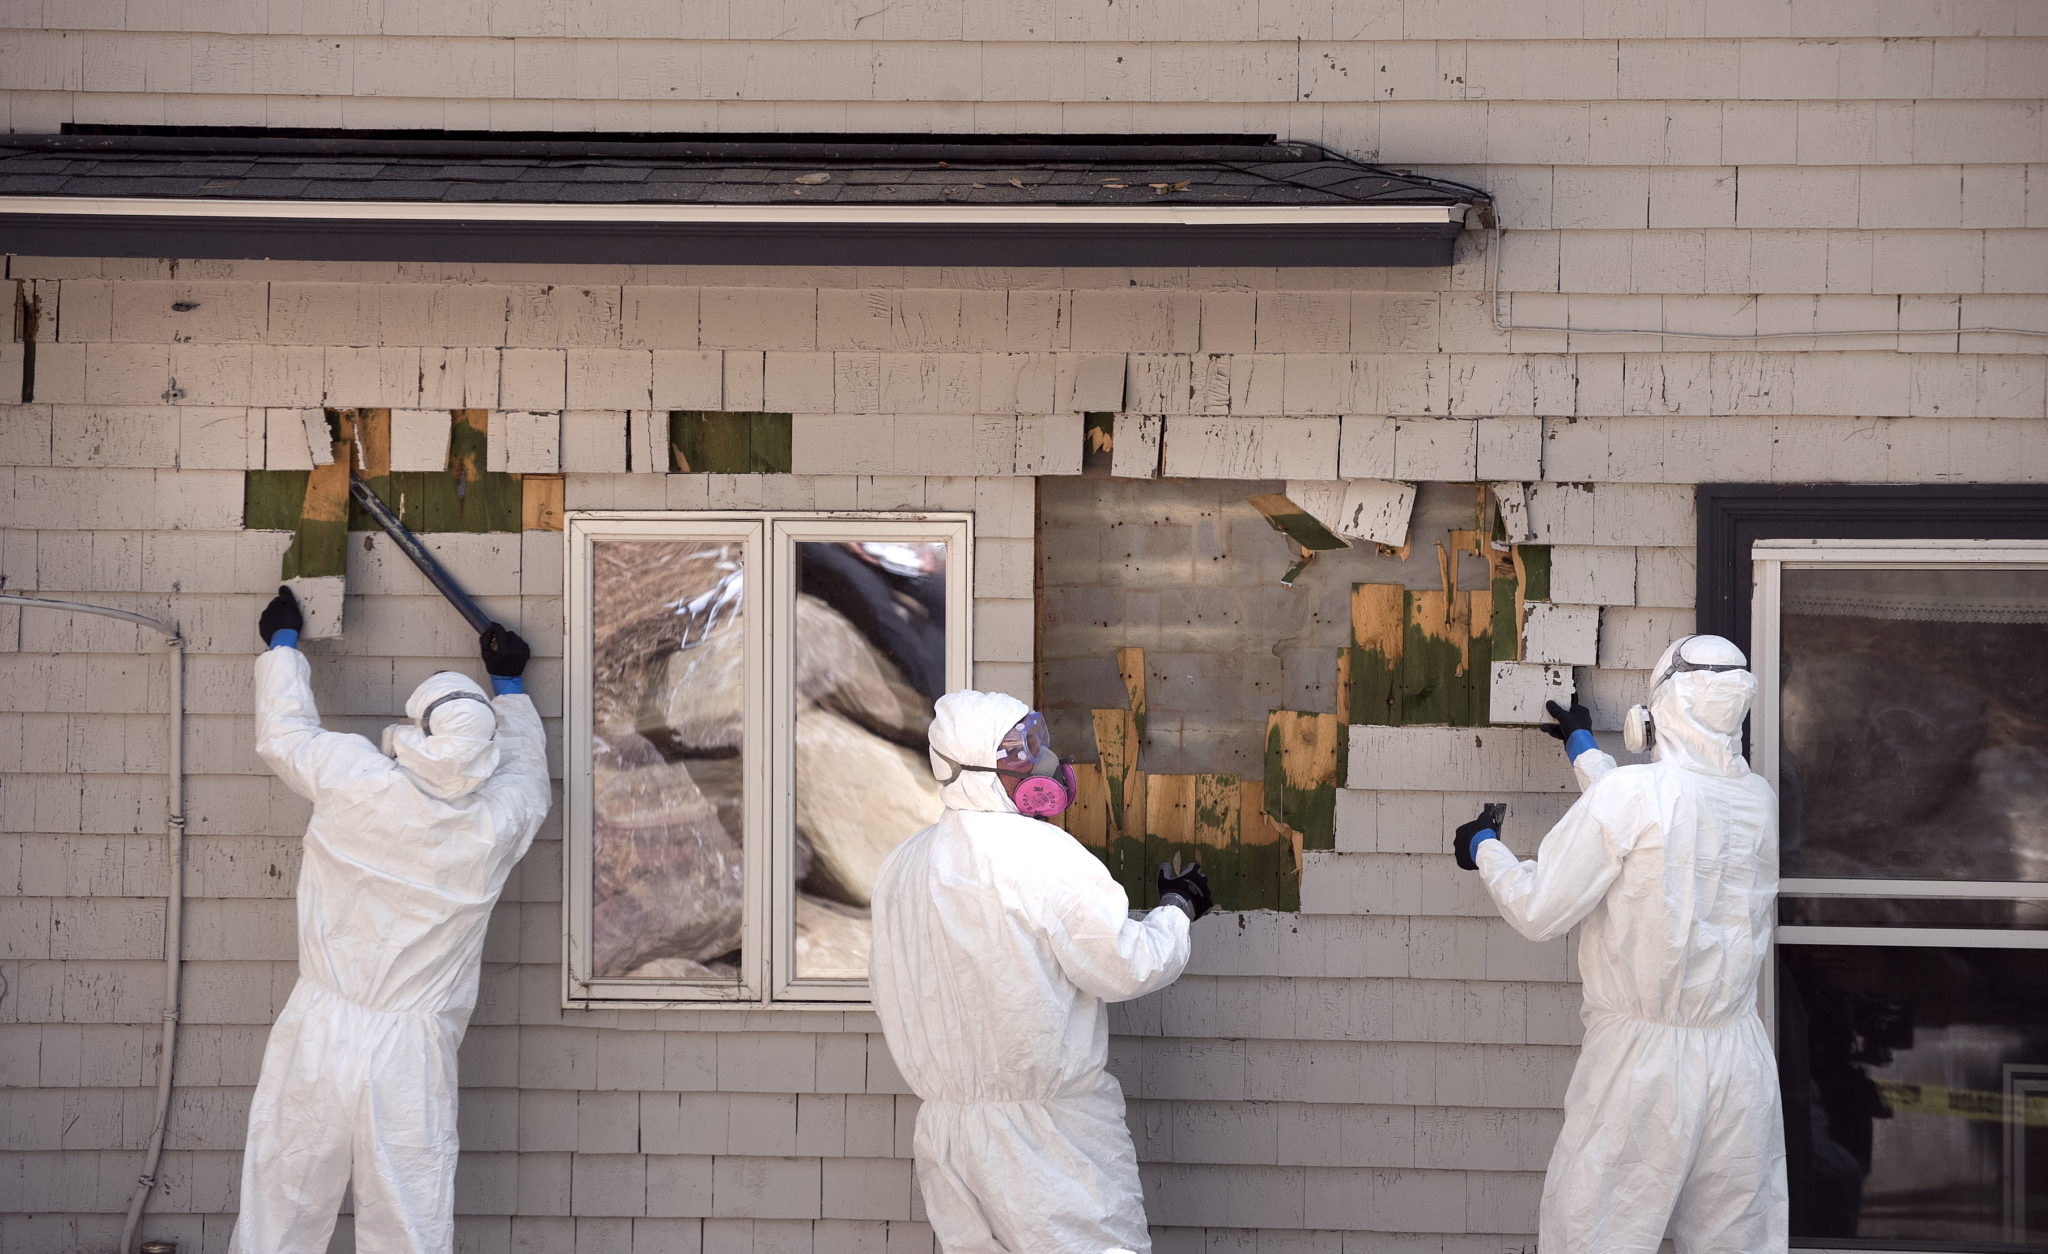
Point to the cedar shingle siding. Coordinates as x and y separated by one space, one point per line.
1795 211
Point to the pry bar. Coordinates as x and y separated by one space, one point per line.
409 544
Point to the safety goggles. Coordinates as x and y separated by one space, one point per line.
425 721
1025 751
1680 666
1025 744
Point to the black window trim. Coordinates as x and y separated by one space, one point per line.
1734 516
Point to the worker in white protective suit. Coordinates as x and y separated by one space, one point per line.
1672 1117
998 939
403 859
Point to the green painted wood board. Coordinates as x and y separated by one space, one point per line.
712 442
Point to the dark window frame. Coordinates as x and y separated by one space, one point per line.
1734 516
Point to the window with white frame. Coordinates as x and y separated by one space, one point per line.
1903 718
747 703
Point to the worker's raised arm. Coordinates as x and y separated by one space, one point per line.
289 737
521 781
1086 920
1572 870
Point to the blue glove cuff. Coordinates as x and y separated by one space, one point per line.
284 638
1485 834
504 684
1577 743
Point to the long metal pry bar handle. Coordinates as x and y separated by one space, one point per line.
409 544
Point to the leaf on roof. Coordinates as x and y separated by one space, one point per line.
812 180
1018 184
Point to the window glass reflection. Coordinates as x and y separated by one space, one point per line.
668 725
1915 724
1916 1096
870 661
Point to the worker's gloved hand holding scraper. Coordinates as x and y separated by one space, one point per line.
280 623
1485 827
1186 890
505 656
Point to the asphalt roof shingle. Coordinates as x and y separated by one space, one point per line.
1251 172
471 198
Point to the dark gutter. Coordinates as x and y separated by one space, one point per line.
222 235
738 150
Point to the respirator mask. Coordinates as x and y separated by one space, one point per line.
1045 782
1638 728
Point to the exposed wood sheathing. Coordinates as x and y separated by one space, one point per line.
28 320
320 542
703 441
541 503
1425 656
1130 665
1305 756
1295 523
1134 821
462 497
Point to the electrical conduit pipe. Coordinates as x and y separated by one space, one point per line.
174 912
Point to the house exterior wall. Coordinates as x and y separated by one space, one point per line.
1380 1072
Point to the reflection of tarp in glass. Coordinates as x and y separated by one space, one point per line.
669 705
1902 1122
871 658
1914 737
1943 1102
666 822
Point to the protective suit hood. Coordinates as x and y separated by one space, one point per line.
969 727
1699 713
462 752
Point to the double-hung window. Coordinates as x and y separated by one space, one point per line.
1903 717
747 704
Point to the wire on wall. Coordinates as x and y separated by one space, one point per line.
174 911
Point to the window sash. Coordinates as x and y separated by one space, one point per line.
582 533
787 533
1771 558
768 929
1911 937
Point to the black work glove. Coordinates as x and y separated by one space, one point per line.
505 654
1466 843
282 614
1576 719
1190 887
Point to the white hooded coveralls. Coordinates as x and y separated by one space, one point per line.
998 942
1672 1116
403 861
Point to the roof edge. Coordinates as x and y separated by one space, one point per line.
1017 149
954 240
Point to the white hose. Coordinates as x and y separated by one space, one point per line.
174 912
